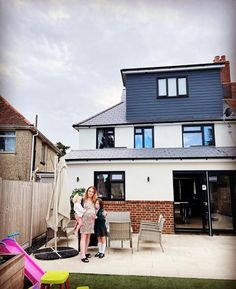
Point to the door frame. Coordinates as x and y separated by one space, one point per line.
206 216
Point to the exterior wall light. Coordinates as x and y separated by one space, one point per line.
77 179
148 179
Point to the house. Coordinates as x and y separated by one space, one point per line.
23 148
168 147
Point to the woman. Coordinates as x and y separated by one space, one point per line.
88 219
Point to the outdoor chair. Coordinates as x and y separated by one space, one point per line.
69 230
118 216
144 224
119 231
151 231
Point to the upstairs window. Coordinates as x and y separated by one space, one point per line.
105 138
198 135
8 141
143 137
110 185
172 87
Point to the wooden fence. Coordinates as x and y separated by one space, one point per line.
23 209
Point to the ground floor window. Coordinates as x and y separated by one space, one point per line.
110 185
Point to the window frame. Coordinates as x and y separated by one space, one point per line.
43 154
142 133
110 173
202 126
105 129
8 136
178 95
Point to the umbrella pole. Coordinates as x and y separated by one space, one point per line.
54 186
55 240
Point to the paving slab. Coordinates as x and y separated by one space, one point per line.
190 256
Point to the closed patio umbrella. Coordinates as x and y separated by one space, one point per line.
59 205
58 214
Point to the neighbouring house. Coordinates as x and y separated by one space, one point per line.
168 147
23 148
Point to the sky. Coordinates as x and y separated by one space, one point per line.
61 59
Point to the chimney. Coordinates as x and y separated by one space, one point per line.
225 71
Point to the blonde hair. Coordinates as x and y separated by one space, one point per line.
75 198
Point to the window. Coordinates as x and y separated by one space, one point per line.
43 154
143 137
105 138
7 141
172 87
110 185
198 135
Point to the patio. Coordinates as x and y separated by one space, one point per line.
191 256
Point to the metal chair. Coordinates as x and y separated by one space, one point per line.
151 231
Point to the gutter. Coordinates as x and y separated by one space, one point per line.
149 158
32 161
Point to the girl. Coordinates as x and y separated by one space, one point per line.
88 218
100 228
79 211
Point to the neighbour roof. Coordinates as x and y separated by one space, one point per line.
113 115
10 118
139 70
154 153
9 115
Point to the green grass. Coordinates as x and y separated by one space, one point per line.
95 281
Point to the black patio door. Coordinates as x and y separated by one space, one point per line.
222 189
205 201
191 208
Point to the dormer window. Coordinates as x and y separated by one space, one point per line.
105 138
172 87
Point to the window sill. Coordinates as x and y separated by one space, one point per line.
12 153
170 97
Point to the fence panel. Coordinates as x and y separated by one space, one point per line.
22 209
42 194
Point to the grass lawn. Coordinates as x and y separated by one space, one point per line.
95 281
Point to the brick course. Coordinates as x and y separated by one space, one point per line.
145 210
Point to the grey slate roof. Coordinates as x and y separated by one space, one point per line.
154 153
111 116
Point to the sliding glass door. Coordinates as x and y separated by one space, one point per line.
221 201
205 201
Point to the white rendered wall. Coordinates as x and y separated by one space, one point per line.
225 134
87 138
168 136
124 136
160 186
165 136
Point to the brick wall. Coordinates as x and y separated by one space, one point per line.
145 210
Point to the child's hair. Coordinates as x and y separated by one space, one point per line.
100 201
75 198
94 198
